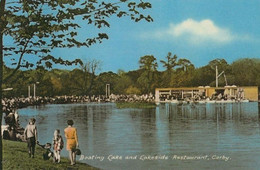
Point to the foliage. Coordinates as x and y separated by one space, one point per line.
148 65
243 72
122 84
37 27
170 63
132 90
103 79
246 72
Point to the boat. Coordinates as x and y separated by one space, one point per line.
175 101
211 101
229 101
184 102
244 101
201 101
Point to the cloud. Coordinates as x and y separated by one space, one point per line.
202 31
195 32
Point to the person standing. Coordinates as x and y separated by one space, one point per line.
30 134
57 145
72 141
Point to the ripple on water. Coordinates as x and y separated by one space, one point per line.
231 130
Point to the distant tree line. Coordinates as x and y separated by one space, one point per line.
178 72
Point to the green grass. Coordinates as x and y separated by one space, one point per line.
139 105
15 156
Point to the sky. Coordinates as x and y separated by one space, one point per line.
198 30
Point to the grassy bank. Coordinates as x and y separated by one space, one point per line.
15 156
139 105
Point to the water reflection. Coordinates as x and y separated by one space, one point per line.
201 129
216 112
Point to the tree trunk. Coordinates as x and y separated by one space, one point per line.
91 84
1 96
2 25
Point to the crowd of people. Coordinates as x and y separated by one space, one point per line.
20 102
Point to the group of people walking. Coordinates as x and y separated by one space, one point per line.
31 134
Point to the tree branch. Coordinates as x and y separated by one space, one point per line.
14 2
98 9
18 64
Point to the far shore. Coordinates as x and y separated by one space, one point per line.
22 102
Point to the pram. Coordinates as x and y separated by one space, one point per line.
48 154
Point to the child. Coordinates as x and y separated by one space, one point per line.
48 154
57 145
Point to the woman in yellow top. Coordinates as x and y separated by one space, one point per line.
72 141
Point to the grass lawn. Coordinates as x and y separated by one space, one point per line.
15 156
139 105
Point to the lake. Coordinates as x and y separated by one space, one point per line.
201 136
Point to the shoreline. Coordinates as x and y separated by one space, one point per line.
22 102
15 156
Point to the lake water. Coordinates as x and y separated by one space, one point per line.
201 136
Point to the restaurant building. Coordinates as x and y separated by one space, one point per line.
206 92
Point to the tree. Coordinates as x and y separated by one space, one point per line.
17 82
132 90
148 63
123 83
203 76
184 73
246 72
103 79
147 79
184 64
134 75
220 63
170 63
89 70
38 26
80 80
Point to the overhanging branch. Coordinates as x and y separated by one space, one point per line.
18 64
